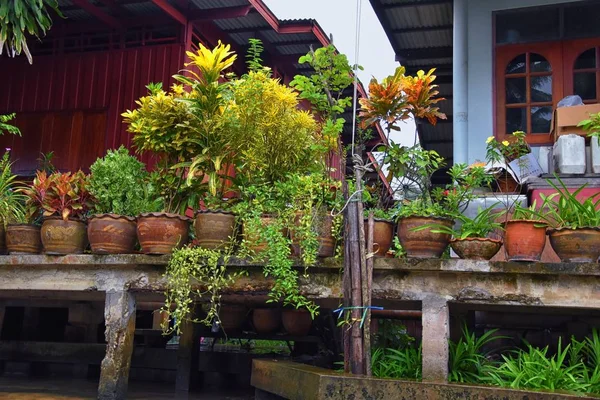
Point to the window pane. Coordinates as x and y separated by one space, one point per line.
516 119
582 21
515 90
585 85
541 89
540 119
517 65
527 25
587 59
538 63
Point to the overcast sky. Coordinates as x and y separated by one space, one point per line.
338 18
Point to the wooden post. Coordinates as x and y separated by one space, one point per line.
187 357
367 295
346 284
119 317
356 361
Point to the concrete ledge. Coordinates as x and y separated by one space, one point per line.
302 382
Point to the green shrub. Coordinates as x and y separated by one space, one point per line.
119 184
397 363
467 360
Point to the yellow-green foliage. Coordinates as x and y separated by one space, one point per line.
279 137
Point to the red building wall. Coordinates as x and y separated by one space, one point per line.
71 104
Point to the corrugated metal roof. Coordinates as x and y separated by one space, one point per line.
424 40
277 38
77 15
147 8
208 4
293 49
252 20
430 15
64 3
428 62
438 133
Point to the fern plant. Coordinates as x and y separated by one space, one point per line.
5 127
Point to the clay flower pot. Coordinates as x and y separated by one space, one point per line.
576 245
214 228
296 322
423 243
253 239
112 234
161 233
266 320
2 237
324 224
476 248
524 240
383 232
23 239
63 237
232 317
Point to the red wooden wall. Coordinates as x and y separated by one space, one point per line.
71 104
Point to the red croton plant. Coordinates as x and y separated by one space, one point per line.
59 194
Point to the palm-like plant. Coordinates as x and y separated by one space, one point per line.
12 199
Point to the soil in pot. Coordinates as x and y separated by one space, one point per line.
524 240
576 245
63 237
296 322
423 243
214 228
161 233
112 234
23 239
476 248
266 320
324 226
383 232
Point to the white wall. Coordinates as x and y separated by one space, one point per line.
480 110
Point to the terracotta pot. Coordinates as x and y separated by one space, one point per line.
266 320
424 243
324 225
23 239
112 234
382 236
296 322
214 228
232 317
2 237
476 248
576 245
524 241
507 184
161 233
253 239
63 237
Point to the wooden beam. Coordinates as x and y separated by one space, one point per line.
418 29
171 11
98 13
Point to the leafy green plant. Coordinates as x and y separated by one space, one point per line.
19 18
5 127
404 363
591 126
119 184
467 360
12 198
510 149
484 223
61 194
195 272
564 210
525 213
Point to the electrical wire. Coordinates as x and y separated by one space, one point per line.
355 69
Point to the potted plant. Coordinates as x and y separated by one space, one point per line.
525 234
470 239
574 225
119 184
505 154
296 322
11 199
23 233
65 200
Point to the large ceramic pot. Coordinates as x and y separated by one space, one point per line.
524 240
323 224
476 248
214 228
266 320
63 237
576 245
23 239
112 234
232 317
383 231
296 322
2 237
423 243
161 233
252 238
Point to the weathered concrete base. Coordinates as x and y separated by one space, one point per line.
436 332
119 316
303 382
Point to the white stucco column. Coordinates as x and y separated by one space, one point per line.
460 82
